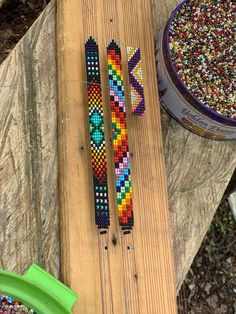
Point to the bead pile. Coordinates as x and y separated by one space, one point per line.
120 137
9 305
202 40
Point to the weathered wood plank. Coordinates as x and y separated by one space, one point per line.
198 170
28 159
143 260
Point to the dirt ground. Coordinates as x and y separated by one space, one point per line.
16 16
210 286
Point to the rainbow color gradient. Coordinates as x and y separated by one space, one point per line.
120 137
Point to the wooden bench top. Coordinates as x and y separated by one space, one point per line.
197 169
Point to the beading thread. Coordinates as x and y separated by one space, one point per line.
120 137
136 81
97 139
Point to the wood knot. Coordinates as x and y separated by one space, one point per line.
114 240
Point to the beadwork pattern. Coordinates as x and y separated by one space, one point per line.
120 137
136 81
97 140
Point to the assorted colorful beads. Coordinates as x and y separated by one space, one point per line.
8 305
202 44
120 137
136 81
97 140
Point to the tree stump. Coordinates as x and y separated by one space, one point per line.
197 169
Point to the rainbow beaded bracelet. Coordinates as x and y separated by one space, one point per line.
120 137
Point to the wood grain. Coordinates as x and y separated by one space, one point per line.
198 170
28 158
143 259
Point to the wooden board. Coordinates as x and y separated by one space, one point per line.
194 194
137 272
28 156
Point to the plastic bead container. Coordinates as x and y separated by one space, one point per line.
180 102
38 291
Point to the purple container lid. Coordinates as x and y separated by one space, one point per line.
182 88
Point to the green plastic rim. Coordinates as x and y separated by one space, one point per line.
38 290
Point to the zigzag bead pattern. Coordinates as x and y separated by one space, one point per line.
136 81
120 137
96 129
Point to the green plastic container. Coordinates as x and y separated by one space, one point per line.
39 290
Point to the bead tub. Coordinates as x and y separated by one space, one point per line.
196 67
36 292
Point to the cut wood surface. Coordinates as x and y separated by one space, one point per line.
28 155
137 273
197 169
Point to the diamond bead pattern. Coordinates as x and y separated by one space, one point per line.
96 129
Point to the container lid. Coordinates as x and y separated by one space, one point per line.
38 290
